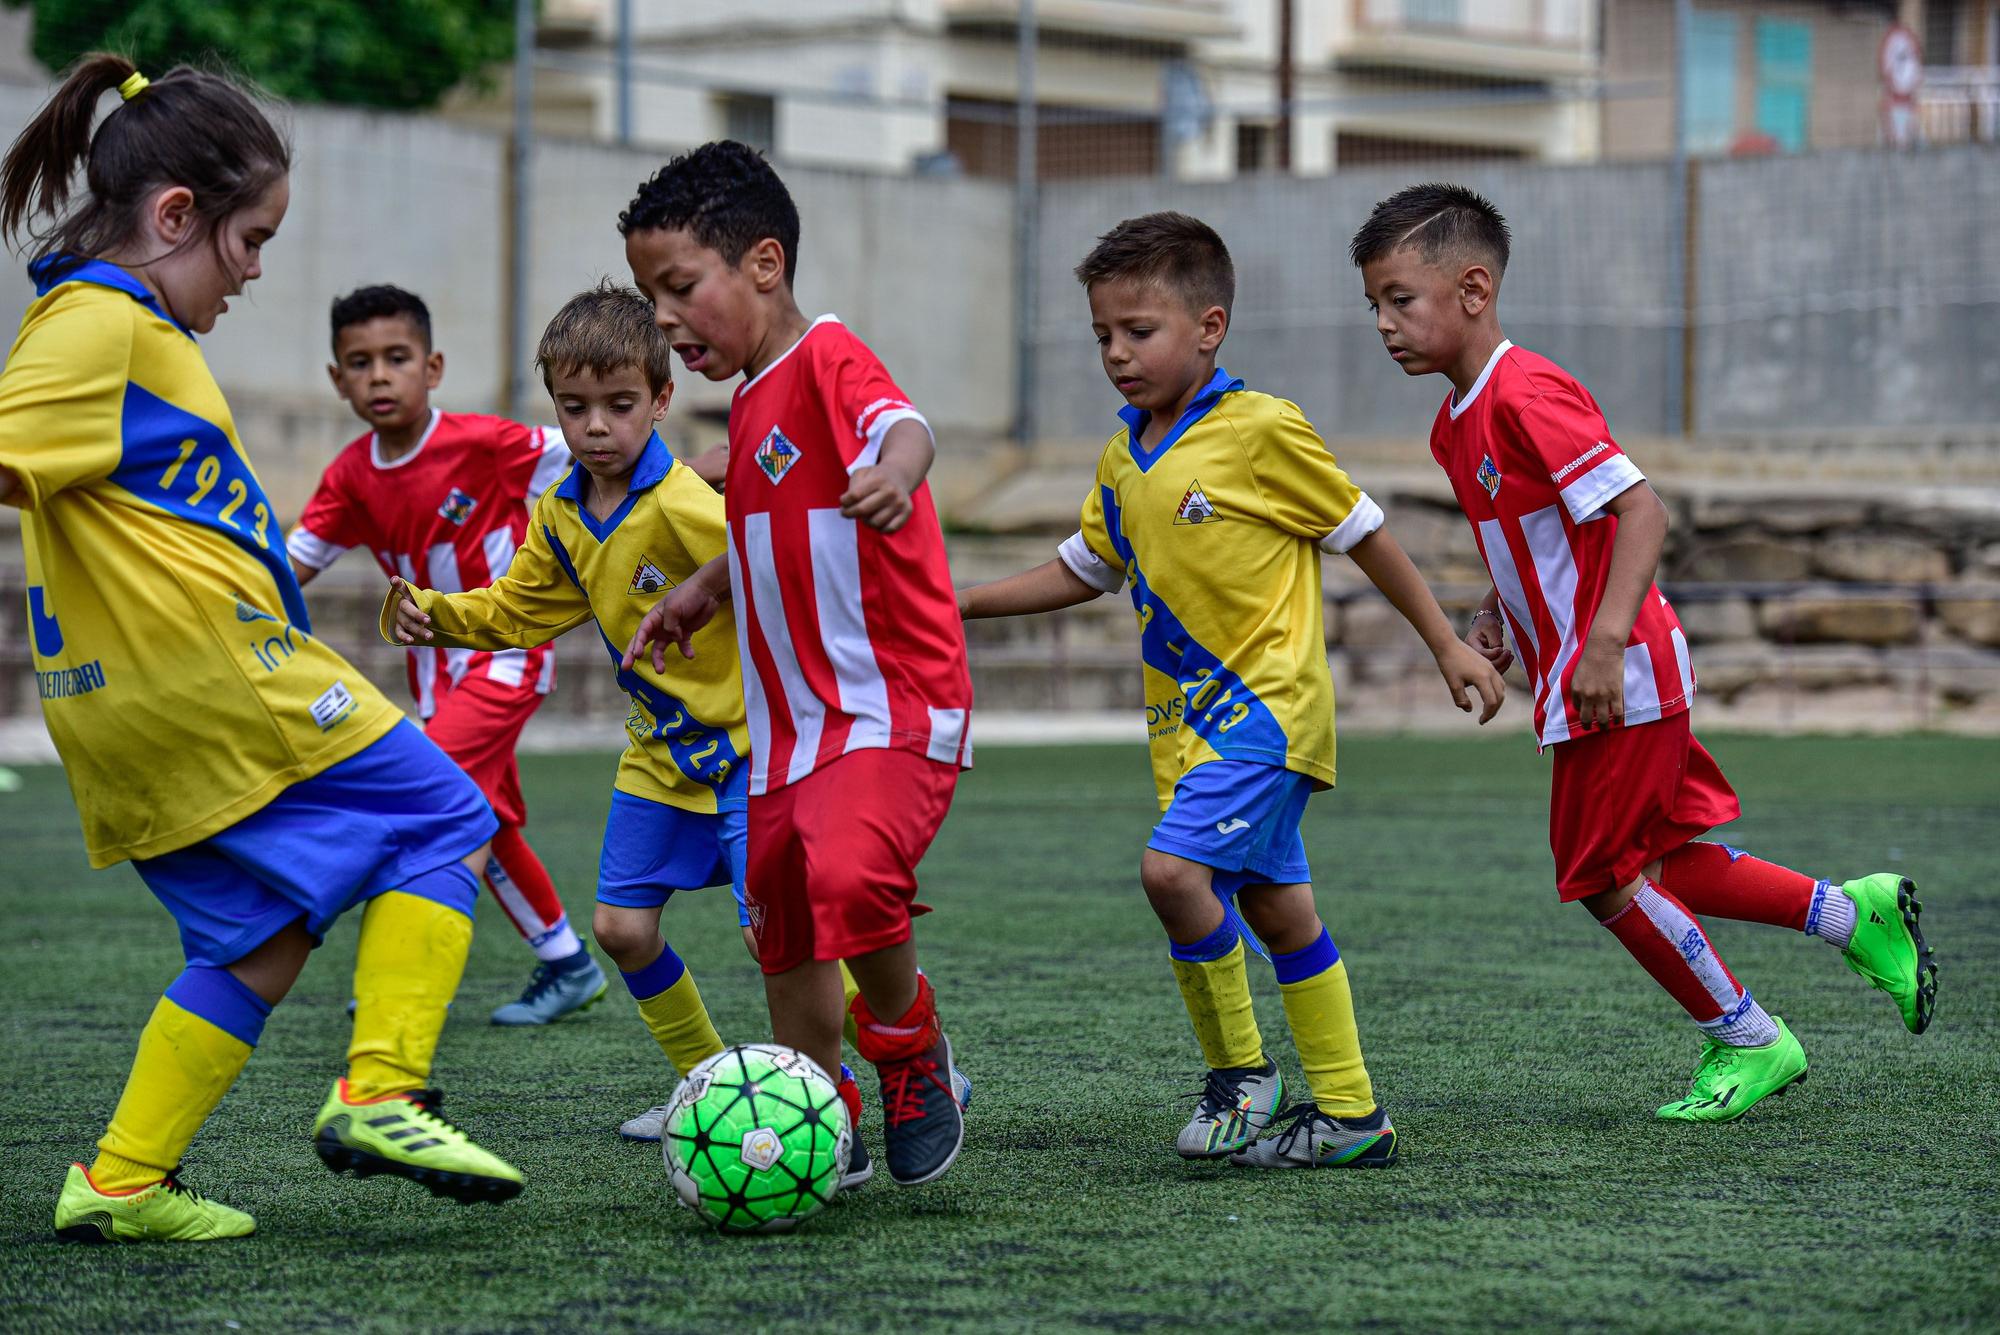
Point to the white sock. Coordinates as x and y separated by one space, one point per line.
558 943
1748 1026
1832 915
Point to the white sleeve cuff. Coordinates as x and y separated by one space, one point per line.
1088 566
310 549
871 448
1363 519
1585 497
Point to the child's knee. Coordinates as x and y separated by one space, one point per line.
1181 893
630 937
750 944
1284 917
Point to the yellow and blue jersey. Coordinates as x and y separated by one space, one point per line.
173 655
687 735
1218 530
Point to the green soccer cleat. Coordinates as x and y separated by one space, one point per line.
1731 1081
164 1211
1888 947
403 1134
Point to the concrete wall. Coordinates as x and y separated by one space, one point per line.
1588 285
1832 291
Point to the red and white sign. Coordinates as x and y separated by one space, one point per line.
1901 63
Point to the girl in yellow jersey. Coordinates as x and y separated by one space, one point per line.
256 781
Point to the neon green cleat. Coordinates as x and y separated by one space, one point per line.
1888 948
403 1134
164 1211
1731 1081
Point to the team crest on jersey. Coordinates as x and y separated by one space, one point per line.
1195 507
777 455
1489 476
648 578
458 506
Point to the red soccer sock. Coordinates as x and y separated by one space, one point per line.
521 885
1670 945
1725 882
912 1033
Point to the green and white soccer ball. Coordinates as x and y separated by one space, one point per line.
756 1139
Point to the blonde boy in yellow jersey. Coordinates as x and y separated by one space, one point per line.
258 784
1214 504
628 523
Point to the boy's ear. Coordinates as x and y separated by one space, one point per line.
764 262
333 375
1214 326
433 370
1475 289
661 400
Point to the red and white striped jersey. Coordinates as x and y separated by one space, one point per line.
1533 465
850 637
448 515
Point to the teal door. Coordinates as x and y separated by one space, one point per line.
1784 81
1708 83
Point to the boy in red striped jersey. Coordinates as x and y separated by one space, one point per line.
855 684
442 499
1571 533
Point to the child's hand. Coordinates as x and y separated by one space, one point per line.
675 617
877 498
1598 688
412 626
1464 669
1488 639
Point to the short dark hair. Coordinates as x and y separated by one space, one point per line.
726 196
380 302
1182 254
1441 220
602 330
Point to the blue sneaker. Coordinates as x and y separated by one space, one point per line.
559 987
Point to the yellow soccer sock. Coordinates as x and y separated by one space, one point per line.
190 1053
1217 993
1320 1010
411 957
679 1023
849 990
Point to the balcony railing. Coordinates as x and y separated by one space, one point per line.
1960 103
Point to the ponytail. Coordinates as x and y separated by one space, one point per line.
189 128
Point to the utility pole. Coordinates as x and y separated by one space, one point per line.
625 72
1285 88
1027 220
521 162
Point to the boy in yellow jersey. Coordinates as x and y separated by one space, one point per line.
628 523
258 784
1214 504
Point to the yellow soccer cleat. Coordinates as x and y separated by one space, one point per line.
163 1211
403 1134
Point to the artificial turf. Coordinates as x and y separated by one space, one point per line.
1520 1052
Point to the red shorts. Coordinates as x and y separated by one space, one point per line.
478 724
833 858
1623 797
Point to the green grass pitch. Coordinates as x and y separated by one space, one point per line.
1519 1050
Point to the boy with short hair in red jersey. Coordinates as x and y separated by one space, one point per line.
442 500
1571 534
854 672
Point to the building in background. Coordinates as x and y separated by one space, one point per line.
1185 88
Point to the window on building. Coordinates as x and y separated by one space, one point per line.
1070 141
1255 147
749 118
1434 13
1784 81
1942 20
1708 83
1371 150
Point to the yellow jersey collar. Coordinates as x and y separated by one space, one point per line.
1219 384
655 462
52 271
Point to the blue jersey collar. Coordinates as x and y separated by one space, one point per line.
1219 384
655 462
52 271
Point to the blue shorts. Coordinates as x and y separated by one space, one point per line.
379 820
651 850
1241 819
